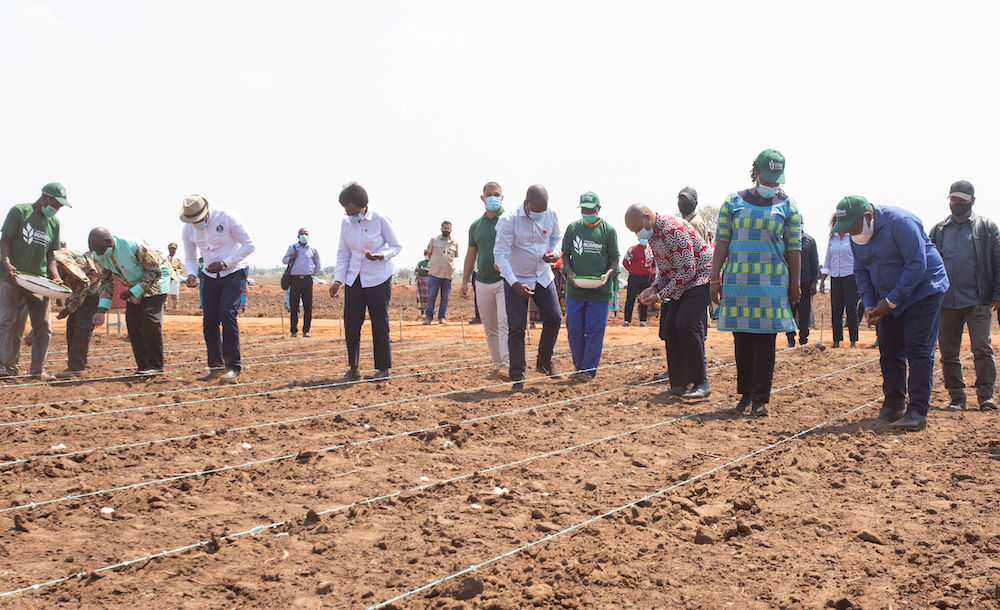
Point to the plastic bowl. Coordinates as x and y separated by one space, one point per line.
42 286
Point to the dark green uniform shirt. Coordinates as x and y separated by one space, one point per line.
590 251
482 235
32 235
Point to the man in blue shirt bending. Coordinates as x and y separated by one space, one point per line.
902 281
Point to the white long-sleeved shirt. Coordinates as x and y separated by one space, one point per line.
839 259
520 245
225 240
373 234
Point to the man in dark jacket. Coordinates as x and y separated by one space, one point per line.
808 278
970 247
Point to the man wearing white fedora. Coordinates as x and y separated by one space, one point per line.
225 244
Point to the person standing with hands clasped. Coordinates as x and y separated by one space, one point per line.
225 244
758 243
970 247
902 280
305 264
364 268
590 249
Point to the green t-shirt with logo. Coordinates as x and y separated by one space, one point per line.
32 235
590 251
483 235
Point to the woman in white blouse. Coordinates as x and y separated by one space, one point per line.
839 266
364 267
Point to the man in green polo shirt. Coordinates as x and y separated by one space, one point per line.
489 285
590 250
28 244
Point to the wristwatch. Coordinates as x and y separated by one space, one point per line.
889 303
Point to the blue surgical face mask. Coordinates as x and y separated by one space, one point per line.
644 234
643 242
536 216
49 211
589 218
200 226
766 192
493 203
303 239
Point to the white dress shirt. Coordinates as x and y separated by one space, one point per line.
373 234
520 245
839 260
225 240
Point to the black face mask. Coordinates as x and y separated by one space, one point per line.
686 207
445 233
960 209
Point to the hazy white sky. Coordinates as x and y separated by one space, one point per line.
269 108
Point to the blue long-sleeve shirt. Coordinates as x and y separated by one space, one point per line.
899 263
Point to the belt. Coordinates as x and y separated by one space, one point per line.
302 277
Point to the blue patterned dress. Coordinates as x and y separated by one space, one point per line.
755 276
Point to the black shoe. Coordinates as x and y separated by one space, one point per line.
213 374
475 321
791 343
293 334
679 390
743 408
758 409
549 370
892 414
229 377
956 404
351 375
306 334
664 376
911 422
517 387
701 390
379 376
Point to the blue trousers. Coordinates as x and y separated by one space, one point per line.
435 285
910 338
220 306
547 301
585 324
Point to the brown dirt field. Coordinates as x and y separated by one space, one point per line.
289 490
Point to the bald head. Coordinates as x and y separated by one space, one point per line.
537 199
638 216
100 240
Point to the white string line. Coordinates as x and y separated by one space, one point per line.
360 408
77 380
255 531
201 342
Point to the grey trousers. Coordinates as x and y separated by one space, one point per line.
16 306
953 323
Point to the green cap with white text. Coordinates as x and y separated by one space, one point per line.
848 210
589 200
58 191
771 165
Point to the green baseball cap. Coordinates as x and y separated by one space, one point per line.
848 210
771 164
589 200
58 191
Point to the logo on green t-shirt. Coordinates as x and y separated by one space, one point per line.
38 237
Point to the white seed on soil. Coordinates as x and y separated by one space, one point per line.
107 510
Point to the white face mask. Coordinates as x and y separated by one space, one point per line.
867 228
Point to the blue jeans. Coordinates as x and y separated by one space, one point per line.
220 305
435 284
547 300
910 339
585 324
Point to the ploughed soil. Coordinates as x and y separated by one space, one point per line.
441 489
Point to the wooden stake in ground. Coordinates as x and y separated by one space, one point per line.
821 319
282 311
400 325
462 319
340 326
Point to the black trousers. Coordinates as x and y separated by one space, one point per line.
376 300
547 301
755 364
802 311
301 288
475 299
685 319
79 330
636 284
844 296
145 331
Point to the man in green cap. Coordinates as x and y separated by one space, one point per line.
28 244
902 281
590 249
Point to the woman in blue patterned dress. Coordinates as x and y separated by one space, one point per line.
758 242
